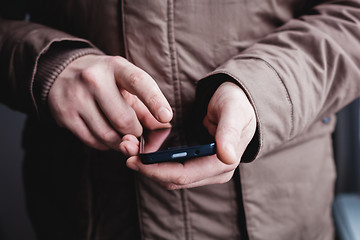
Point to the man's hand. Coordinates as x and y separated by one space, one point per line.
102 98
231 119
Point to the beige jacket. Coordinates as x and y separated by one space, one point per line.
298 62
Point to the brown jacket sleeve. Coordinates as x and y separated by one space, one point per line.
306 70
21 46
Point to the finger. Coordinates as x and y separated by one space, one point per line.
219 179
210 126
129 145
131 138
232 110
139 83
232 136
116 109
129 148
143 113
79 128
227 137
191 171
99 127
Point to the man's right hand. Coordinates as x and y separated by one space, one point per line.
102 98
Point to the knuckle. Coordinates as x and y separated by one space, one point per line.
127 96
153 100
119 123
136 79
89 77
66 114
182 180
117 60
125 122
170 186
226 178
228 168
109 136
126 125
231 129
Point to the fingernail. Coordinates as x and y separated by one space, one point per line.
124 150
164 115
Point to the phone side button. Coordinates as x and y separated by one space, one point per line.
179 155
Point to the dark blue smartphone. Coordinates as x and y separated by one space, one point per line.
175 145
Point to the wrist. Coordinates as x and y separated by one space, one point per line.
52 63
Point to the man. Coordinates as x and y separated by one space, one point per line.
269 77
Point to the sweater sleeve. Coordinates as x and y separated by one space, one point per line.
304 71
51 64
22 44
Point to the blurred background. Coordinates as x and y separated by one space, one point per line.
347 149
15 225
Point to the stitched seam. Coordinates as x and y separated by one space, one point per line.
286 91
184 204
232 191
136 178
282 83
124 29
173 62
245 207
178 106
287 94
139 205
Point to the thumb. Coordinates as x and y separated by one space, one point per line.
228 138
236 122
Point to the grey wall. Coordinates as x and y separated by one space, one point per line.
14 223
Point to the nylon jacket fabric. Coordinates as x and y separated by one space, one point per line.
296 61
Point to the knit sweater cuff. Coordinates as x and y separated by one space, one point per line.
51 64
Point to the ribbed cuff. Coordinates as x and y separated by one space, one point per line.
52 63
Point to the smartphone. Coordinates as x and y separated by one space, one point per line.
175 144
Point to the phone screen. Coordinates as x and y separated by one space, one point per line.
175 144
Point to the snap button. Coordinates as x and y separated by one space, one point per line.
326 120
